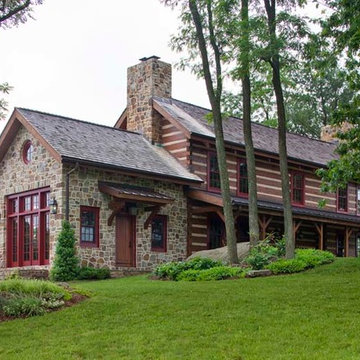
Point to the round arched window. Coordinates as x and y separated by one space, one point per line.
28 150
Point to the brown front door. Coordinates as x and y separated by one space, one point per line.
125 240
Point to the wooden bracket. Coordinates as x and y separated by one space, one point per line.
116 207
153 213
264 223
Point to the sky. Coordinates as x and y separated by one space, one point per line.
72 59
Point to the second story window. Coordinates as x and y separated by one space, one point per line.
342 199
297 189
213 172
243 184
358 200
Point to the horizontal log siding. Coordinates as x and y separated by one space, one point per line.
175 142
198 233
269 180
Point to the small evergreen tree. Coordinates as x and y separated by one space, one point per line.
66 262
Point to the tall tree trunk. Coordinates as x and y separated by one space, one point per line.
249 147
285 185
214 94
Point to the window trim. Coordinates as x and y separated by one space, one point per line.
96 243
19 216
357 189
25 148
347 200
292 174
210 188
238 192
165 234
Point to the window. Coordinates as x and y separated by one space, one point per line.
358 200
297 189
28 150
89 226
243 185
213 172
342 199
159 233
28 236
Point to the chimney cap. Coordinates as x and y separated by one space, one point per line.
150 57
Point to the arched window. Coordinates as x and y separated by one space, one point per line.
28 150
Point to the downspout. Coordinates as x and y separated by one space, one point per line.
67 191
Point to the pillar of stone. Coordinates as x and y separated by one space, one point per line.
151 77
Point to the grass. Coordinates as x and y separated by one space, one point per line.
311 315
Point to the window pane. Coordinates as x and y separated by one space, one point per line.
35 247
358 201
243 169
243 178
214 180
35 202
158 233
87 218
27 203
47 235
14 239
26 249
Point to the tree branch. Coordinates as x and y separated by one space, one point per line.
14 11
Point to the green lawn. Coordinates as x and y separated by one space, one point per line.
313 315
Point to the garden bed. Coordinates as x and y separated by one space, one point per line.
21 298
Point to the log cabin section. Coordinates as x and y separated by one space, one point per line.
334 227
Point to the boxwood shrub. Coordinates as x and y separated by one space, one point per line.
91 273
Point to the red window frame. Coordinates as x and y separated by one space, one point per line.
36 213
357 189
240 177
346 197
209 172
27 145
96 241
163 219
302 188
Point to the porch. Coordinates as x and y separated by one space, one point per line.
313 228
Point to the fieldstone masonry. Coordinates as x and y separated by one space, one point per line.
17 177
151 77
84 191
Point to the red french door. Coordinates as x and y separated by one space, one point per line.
28 232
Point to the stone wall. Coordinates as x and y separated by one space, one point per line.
84 191
17 177
149 78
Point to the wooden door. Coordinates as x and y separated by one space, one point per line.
125 240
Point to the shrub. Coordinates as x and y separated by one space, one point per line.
66 262
172 270
26 306
90 273
189 275
262 254
215 273
33 288
287 266
314 257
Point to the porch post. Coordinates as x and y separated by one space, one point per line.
348 232
320 230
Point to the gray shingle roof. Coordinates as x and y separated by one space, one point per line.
102 145
299 147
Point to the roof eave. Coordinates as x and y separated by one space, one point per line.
129 171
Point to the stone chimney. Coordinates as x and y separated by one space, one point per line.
151 77
328 132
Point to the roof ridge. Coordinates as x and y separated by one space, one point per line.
253 122
77 120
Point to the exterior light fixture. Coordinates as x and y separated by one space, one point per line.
53 206
133 210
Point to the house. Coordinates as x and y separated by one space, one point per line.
147 191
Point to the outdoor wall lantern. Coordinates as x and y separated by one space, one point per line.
133 210
53 206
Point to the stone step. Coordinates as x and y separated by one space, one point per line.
41 272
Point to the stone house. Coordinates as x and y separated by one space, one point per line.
146 191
